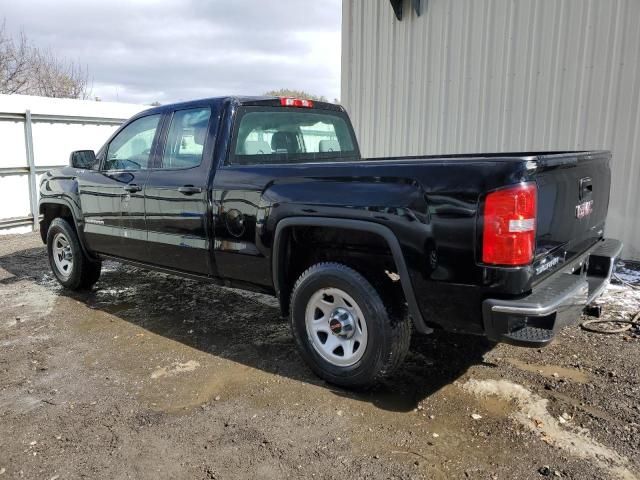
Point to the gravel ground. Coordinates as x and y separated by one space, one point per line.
150 376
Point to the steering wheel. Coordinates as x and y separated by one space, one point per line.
121 164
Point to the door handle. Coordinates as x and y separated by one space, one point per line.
132 187
189 190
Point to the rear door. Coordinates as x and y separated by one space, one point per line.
266 141
176 194
113 198
573 199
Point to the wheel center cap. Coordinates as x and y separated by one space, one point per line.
342 323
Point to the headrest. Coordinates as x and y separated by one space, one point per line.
199 134
138 145
256 147
329 146
287 141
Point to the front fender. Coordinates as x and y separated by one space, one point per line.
60 187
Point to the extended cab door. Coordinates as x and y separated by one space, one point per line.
113 198
268 143
176 193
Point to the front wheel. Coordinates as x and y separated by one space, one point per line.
342 327
71 267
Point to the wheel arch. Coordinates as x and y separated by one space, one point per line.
280 240
52 208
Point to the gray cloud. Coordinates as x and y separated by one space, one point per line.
168 50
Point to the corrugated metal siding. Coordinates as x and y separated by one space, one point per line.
500 75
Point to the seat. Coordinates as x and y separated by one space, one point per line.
200 133
256 147
285 142
329 146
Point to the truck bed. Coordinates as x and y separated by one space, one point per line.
498 156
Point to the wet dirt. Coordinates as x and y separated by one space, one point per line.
151 376
550 371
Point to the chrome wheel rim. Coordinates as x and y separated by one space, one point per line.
336 327
62 255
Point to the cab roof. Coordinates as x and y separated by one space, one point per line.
266 101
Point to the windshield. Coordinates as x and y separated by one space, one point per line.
282 135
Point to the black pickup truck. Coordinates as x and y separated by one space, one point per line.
271 194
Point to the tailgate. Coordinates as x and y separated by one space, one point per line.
573 198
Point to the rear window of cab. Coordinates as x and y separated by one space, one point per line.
273 135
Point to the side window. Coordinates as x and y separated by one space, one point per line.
185 141
131 148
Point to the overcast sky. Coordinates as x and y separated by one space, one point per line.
169 50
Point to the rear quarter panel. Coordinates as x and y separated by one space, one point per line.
430 206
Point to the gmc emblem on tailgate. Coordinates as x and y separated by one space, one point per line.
584 209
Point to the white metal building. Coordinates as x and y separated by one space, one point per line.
460 76
38 133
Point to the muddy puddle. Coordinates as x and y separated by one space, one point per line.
550 371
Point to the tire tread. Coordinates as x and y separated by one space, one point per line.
400 326
86 272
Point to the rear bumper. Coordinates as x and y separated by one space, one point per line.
533 320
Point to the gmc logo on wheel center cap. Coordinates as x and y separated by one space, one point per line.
335 326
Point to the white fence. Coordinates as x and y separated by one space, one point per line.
37 134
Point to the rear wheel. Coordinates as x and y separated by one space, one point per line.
343 329
71 267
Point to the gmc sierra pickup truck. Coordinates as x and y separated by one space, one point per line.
271 194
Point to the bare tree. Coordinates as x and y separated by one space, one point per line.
29 70
288 92
14 62
53 77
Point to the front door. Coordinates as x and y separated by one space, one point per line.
176 194
113 198
100 196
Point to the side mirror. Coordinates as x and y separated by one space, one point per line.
84 159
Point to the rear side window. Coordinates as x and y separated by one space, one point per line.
185 140
283 135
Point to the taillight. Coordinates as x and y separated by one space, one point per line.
509 234
296 102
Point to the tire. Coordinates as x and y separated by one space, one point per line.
316 299
71 267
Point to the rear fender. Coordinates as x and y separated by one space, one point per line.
278 259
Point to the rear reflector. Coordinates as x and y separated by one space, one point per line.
509 233
296 102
